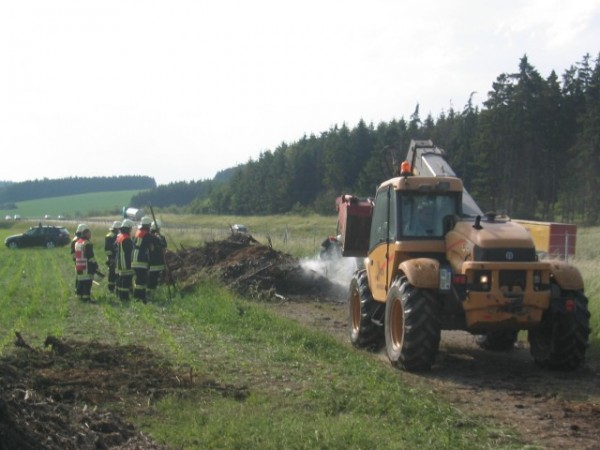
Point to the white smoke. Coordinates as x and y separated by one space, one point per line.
337 270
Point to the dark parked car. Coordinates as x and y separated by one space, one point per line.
40 236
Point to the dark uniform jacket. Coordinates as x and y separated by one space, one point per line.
141 250
124 250
157 252
109 247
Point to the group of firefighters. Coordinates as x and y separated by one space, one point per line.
134 262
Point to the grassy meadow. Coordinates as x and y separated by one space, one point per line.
72 206
306 390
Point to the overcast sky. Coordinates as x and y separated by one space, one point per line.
178 90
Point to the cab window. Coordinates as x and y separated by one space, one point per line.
426 215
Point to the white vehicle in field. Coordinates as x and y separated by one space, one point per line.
239 228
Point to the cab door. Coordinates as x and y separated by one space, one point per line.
383 233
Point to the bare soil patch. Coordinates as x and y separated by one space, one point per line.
73 395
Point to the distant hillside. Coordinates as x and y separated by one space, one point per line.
73 206
46 188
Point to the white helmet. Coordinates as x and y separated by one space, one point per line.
81 228
127 223
154 226
146 221
115 225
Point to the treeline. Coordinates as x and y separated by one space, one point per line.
180 193
45 188
532 150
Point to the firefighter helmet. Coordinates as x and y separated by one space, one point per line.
154 226
127 223
81 228
145 222
115 225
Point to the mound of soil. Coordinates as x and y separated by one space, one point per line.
69 397
250 268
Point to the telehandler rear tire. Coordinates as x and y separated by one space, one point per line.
363 330
412 326
560 341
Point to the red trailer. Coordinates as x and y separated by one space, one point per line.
354 224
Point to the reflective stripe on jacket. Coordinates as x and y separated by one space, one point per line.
141 250
124 246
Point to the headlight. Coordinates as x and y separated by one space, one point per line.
482 280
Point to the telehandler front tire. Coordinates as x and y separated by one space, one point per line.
412 326
364 332
561 339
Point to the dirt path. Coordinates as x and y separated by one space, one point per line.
553 410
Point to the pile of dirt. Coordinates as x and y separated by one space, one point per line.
70 397
250 268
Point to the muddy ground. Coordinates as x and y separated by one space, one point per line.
41 392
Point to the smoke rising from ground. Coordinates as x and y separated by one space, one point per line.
336 270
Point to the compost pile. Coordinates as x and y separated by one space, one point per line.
49 399
250 268
70 395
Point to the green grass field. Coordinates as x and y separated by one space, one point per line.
306 390
72 206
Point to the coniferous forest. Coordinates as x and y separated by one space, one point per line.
532 150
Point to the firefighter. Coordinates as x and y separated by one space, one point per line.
85 263
140 260
73 241
76 238
158 246
331 248
124 250
109 250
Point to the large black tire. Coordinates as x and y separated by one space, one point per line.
363 330
560 341
412 326
498 341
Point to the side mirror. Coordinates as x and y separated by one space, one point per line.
448 222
